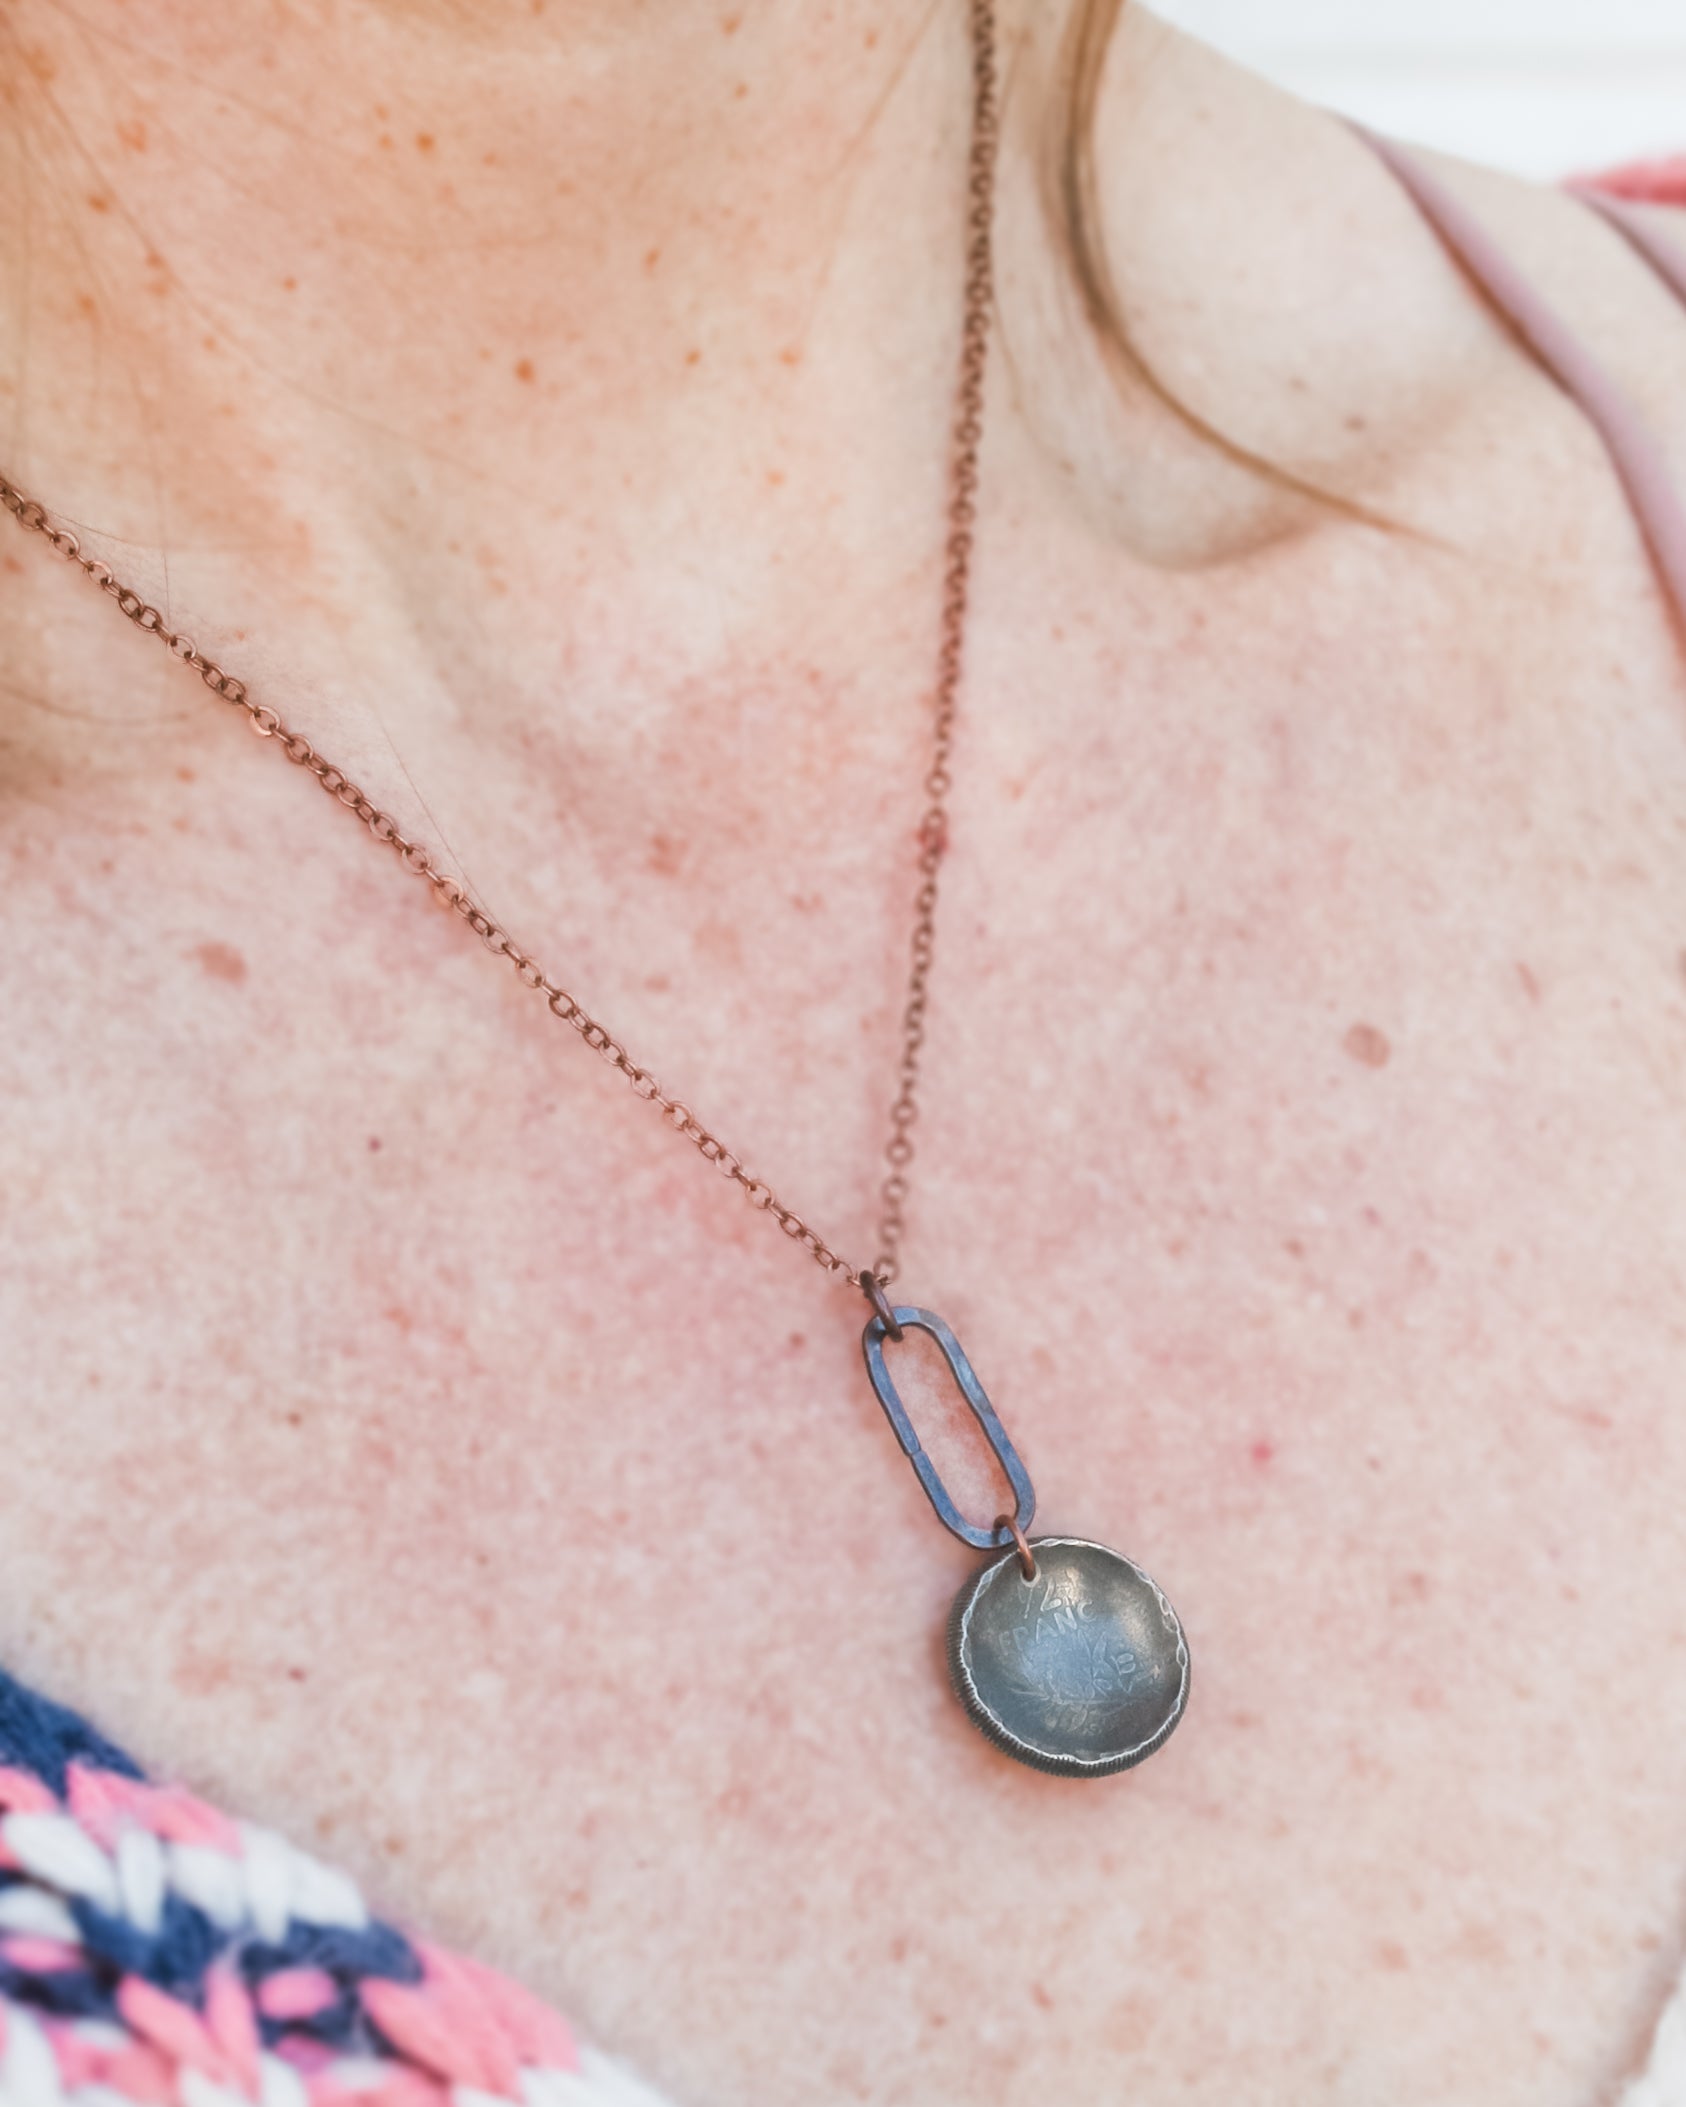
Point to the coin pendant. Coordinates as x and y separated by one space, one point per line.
1082 1671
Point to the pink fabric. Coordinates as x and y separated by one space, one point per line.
1651 182
102 1801
296 1993
1664 252
1635 454
38 1956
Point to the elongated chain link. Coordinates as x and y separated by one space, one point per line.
933 830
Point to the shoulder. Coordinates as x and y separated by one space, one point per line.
1611 268
1270 281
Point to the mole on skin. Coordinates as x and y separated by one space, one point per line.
221 962
1368 1045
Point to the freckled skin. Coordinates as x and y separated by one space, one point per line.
410 1442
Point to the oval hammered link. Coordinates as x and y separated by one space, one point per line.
267 724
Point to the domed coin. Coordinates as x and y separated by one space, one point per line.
1083 1670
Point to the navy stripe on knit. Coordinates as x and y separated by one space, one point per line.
37 1735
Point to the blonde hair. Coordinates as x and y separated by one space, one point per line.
1072 199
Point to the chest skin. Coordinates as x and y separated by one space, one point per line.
410 1444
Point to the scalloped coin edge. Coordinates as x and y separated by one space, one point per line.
987 1724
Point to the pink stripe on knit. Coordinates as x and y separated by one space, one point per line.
400 2087
442 2024
305 2053
79 2061
38 1956
21 1792
130 2071
539 2036
171 2026
296 1993
101 1800
1634 453
141 2073
232 2025
178 1818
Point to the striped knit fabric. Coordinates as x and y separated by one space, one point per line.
155 1952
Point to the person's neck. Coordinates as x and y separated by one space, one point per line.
416 215
420 284
480 356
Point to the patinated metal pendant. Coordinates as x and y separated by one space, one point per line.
1077 1666
1065 1653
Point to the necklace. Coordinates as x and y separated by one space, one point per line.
1065 1653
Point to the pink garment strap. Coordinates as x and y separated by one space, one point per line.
1665 256
1635 454
1646 182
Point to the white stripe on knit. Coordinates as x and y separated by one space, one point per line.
285 1885
600 2081
279 2085
542 2088
140 1877
266 1863
102 2033
612 2083
34 1911
210 1880
195 2089
324 1895
29 2071
59 1854
269 1885
358 2073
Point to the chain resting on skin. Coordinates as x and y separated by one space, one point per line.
957 579
933 826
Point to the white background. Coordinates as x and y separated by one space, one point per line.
1548 87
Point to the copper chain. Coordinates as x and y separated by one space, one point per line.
933 826
957 579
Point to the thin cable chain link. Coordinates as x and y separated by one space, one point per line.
957 580
933 827
417 860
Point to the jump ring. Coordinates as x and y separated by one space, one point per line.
1027 1558
870 1287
